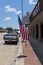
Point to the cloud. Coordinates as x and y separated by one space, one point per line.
10 9
32 2
7 18
18 12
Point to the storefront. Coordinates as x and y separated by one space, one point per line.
36 21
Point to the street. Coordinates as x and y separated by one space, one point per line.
7 52
17 54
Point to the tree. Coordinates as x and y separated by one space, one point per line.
1 28
9 29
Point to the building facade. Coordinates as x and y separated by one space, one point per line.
3 31
36 21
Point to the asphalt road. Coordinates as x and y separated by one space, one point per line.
7 52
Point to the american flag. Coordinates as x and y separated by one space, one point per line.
23 30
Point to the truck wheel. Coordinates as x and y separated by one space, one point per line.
5 41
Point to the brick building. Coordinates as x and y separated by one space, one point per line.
2 31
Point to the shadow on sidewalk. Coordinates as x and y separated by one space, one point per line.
38 48
21 56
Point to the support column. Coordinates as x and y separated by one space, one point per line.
35 31
31 31
39 31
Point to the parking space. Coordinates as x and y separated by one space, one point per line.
7 52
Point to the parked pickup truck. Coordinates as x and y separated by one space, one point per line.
11 37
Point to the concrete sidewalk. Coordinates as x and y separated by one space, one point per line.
26 55
19 58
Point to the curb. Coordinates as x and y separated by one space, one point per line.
19 59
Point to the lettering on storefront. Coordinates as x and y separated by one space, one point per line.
36 9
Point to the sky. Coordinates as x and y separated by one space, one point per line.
9 9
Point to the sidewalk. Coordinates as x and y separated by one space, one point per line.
38 48
26 55
31 58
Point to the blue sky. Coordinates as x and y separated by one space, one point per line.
9 9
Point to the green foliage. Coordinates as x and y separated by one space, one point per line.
9 29
1 28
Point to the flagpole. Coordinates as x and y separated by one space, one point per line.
22 12
22 18
22 8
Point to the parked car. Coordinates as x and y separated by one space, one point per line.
11 37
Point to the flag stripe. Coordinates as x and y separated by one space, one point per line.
24 32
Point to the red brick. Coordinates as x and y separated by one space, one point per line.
31 58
